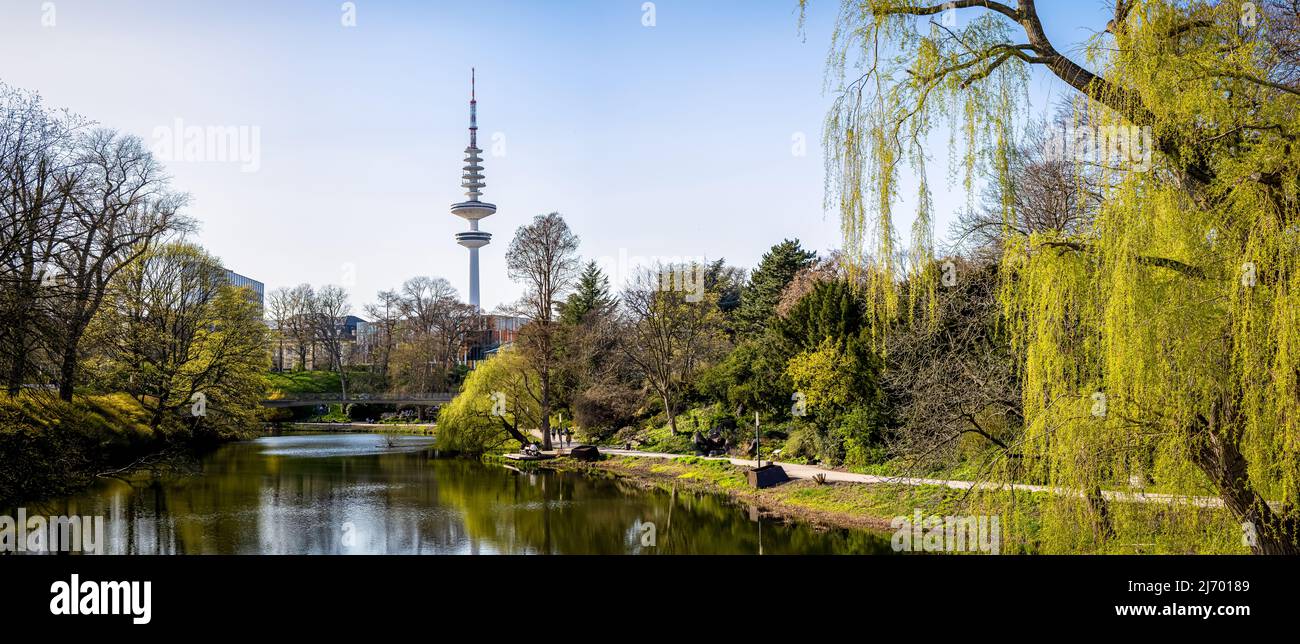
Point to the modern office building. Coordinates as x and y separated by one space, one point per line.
473 210
258 288
498 331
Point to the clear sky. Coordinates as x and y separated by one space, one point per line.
679 139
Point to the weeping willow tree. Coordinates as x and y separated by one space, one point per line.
1158 344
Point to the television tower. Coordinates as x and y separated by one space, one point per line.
472 209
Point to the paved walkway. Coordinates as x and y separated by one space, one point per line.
799 471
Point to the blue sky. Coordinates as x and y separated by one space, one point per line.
675 140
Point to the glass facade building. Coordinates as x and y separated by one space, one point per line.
235 279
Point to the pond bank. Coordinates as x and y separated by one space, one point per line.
423 429
52 447
828 505
874 505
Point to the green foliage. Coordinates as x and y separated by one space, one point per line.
175 336
672 333
468 425
858 432
659 437
1161 340
604 407
761 294
283 383
825 376
333 414
50 447
724 282
833 366
590 296
833 309
751 377
803 445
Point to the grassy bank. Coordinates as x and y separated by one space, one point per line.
49 447
283 383
1141 528
421 429
828 505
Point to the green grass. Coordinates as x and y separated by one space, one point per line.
303 382
112 414
360 380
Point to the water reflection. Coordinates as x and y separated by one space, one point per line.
357 493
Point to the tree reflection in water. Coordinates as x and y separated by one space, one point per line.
353 493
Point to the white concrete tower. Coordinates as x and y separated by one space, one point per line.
472 209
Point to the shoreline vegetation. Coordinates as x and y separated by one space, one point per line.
105 436
859 506
419 429
53 448
822 506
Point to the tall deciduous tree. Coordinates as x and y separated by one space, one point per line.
601 383
79 207
38 172
278 311
670 333
385 315
122 205
543 256
299 326
435 328
186 344
329 311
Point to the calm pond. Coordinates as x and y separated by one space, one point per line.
356 493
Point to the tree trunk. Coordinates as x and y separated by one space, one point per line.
18 368
1272 532
672 418
1102 525
343 377
514 432
546 411
68 370
19 328
68 374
